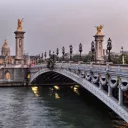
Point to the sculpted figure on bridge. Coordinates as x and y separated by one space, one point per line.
20 24
99 29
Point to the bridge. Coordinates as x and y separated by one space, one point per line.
108 83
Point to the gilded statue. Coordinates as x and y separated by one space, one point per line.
20 24
99 28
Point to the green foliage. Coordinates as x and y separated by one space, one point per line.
118 59
84 58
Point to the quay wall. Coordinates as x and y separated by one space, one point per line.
13 76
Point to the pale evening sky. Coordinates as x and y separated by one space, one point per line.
56 23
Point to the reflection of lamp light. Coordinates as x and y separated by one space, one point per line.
75 89
50 91
56 87
71 87
35 91
76 86
57 96
28 76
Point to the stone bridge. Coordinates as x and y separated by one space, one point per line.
107 83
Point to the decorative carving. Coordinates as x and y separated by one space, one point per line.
123 85
99 28
103 81
20 42
95 79
112 82
20 24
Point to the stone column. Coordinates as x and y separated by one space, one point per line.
100 86
99 47
109 91
120 97
19 35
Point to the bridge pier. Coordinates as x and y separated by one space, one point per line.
120 97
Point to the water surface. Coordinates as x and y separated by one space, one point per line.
48 107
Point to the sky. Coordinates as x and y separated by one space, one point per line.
51 24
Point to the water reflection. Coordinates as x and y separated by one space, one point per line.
57 96
92 111
119 124
75 89
35 91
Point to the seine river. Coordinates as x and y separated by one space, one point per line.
54 107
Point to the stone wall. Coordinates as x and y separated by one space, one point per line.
16 74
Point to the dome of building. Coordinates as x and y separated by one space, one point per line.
5 45
5 51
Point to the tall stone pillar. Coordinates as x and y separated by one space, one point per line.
99 37
19 35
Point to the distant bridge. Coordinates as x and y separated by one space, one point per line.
107 83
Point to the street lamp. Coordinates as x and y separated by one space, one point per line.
93 51
42 57
122 55
49 53
109 47
63 52
57 53
80 50
53 57
45 55
71 50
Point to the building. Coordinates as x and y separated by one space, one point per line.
5 54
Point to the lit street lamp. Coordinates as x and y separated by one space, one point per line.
109 48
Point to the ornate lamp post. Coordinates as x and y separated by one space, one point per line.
93 51
42 57
49 53
122 55
45 55
53 56
80 50
71 50
109 47
63 52
57 53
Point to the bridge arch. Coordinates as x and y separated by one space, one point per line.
109 101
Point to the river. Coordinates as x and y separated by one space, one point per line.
54 107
